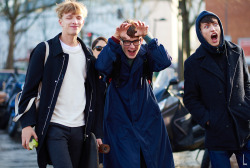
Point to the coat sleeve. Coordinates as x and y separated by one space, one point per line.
32 81
104 62
158 56
192 96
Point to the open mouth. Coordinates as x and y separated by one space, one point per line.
131 52
214 37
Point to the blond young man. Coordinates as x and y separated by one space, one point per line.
66 114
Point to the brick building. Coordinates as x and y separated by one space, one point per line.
235 17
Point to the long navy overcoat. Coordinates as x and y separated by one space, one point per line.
132 118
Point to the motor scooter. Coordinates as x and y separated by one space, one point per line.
184 133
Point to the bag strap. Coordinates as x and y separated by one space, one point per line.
18 116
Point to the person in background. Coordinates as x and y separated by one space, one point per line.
217 93
133 125
66 113
97 45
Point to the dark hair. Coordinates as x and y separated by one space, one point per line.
132 29
97 40
208 19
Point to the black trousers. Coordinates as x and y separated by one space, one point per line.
65 145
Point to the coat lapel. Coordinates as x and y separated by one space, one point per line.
138 60
233 58
210 65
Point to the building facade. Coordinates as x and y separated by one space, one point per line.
234 15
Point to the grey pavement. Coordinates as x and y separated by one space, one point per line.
12 155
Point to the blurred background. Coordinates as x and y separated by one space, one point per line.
25 23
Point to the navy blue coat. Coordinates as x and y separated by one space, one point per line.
52 75
223 99
132 118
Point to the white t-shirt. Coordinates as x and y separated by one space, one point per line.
71 101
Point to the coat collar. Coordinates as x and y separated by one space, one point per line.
210 65
138 61
233 53
57 48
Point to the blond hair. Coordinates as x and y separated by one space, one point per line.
71 6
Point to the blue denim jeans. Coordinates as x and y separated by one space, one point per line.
221 159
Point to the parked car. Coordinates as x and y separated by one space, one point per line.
10 89
4 75
13 127
184 133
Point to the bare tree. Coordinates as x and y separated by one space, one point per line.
186 8
138 8
21 15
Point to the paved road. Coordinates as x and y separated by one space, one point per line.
12 155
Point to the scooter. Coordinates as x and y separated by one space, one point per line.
184 133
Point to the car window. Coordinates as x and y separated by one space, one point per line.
21 78
4 76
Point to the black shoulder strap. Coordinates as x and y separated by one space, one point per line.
147 73
115 75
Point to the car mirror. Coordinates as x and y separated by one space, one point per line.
173 81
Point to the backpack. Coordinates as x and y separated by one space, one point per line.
36 99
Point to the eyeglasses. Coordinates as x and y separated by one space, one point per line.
98 48
128 43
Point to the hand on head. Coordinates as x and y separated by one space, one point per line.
121 31
141 28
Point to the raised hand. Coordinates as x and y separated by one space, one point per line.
141 28
121 31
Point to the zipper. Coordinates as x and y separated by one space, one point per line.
53 95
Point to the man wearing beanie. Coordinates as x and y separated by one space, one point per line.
217 93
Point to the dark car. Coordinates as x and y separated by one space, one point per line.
12 126
4 75
9 89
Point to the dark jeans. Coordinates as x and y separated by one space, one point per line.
65 145
221 159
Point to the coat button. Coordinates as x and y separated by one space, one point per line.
227 126
239 104
220 92
236 86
